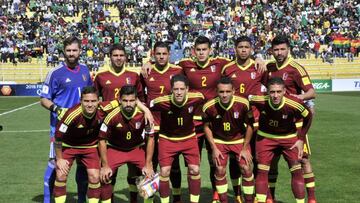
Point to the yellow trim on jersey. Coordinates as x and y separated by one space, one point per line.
198 118
273 136
298 67
111 115
298 106
79 147
288 60
243 68
179 105
227 66
226 107
162 99
209 104
306 80
239 141
308 175
166 68
178 138
186 59
206 63
311 184
298 124
73 115
280 106
112 70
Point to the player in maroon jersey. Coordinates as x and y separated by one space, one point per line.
177 135
122 141
278 133
77 137
298 84
109 83
225 119
158 84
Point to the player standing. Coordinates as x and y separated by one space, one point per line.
277 134
298 84
225 119
177 135
122 141
76 137
62 89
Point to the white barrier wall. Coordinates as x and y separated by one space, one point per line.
345 85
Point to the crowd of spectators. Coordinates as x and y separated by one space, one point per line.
311 24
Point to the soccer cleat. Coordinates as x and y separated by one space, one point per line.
238 199
270 201
215 198
311 201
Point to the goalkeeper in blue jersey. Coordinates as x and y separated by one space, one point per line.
62 89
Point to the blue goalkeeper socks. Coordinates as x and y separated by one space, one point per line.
49 179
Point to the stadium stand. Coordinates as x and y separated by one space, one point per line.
323 36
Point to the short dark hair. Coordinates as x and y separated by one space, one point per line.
128 90
202 40
116 47
162 45
177 78
70 40
280 39
243 38
225 80
275 81
89 90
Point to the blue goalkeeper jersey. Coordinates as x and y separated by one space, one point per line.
63 87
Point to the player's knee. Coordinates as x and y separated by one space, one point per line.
220 171
193 170
165 171
246 169
94 177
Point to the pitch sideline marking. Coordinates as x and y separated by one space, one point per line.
17 109
24 131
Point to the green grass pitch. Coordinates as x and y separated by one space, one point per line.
334 138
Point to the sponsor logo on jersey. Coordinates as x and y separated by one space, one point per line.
80 126
108 82
119 125
67 80
253 75
213 68
191 108
285 76
233 75
236 114
192 70
151 79
137 125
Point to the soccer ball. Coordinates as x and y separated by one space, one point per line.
6 90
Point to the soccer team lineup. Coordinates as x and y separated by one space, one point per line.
242 111
223 111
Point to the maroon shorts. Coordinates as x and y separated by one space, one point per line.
117 158
88 156
267 148
231 149
169 149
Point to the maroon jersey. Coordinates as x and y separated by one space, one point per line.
204 78
79 131
123 132
158 82
177 120
279 122
246 80
294 75
109 83
228 123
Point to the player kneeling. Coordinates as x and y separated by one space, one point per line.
228 128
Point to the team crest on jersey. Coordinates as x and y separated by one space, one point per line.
213 68
137 125
284 116
171 76
285 76
84 77
253 75
128 80
191 108
236 114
